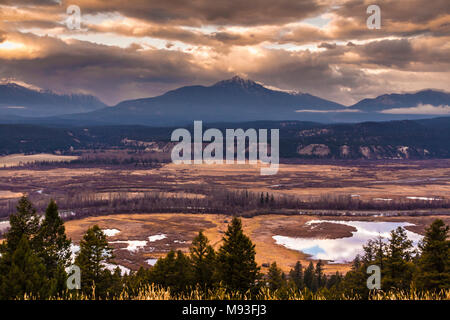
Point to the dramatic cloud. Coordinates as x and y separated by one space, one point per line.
207 12
132 49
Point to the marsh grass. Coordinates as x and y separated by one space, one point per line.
153 292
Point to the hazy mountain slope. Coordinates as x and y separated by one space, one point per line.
21 101
408 100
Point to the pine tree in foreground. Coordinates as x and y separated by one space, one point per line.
93 255
434 263
54 246
296 275
319 275
309 276
24 226
203 259
26 275
25 222
275 278
236 262
398 268
174 271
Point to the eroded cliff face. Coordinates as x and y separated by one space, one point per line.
371 152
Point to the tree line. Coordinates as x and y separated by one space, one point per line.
36 253
236 202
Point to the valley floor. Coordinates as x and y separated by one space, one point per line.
90 194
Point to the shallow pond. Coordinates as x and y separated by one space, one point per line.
344 249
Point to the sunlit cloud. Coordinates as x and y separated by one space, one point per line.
8 45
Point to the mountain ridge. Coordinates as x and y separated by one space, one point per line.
406 139
231 100
406 100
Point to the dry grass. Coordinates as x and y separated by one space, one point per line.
13 160
152 292
180 229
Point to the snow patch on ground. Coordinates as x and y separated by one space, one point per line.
112 267
133 245
111 232
422 198
151 261
157 237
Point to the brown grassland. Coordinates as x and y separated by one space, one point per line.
368 180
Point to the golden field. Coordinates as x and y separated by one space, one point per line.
180 229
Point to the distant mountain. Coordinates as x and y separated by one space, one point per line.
16 100
232 100
407 100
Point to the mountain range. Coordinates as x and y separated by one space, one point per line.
232 100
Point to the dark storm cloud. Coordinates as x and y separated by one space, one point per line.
388 53
327 45
414 11
405 18
201 12
405 54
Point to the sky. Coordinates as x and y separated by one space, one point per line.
143 48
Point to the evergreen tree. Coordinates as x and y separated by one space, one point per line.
237 267
369 252
397 272
380 252
319 275
94 253
275 277
355 279
134 282
115 283
173 271
356 263
434 263
296 275
203 259
334 280
374 253
309 276
25 275
24 222
53 245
